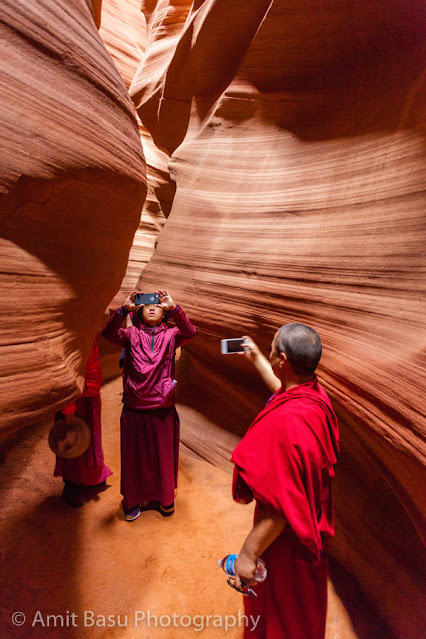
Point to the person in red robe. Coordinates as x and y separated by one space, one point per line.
86 475
286 463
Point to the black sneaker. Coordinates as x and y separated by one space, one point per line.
167 511
132 514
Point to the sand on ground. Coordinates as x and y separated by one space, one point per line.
97 575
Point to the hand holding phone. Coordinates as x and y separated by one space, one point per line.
251 349
166 302
129 302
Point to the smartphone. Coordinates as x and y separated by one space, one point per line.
146 298
229 346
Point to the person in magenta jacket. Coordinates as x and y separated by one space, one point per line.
149 420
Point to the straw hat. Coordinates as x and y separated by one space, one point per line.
69 439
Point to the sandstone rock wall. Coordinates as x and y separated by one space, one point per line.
124 32
296 143
293 193
72 167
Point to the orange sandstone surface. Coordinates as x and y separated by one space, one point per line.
72 165
296 140
284 181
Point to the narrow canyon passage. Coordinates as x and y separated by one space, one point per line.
86 564
263 162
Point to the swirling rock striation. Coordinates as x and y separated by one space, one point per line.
72 186
123 29
124 32
296 143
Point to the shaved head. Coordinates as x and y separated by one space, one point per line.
302 346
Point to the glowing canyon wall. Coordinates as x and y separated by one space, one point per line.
72 166
296 143
285 165
124 31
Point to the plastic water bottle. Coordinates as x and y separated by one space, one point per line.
228 566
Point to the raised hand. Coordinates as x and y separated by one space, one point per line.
166 302
251 349
129 302
261 363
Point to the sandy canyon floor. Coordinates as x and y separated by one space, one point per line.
104 577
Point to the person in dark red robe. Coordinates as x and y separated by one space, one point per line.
149 421
286 463
88 471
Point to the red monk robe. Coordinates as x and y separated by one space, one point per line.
87 469
285 461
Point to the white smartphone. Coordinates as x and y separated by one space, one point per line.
229 346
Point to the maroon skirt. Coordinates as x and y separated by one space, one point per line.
149 455
88 469
292 601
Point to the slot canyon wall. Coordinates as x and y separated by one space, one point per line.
72 165
284 146
296 137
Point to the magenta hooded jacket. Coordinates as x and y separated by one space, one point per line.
150 357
